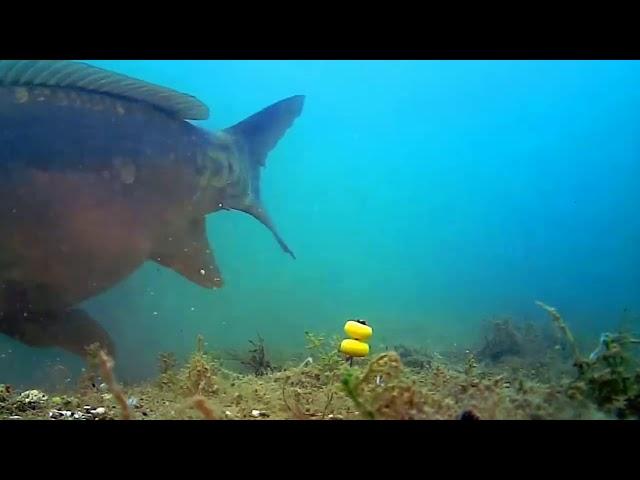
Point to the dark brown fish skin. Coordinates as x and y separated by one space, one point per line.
92 186
87 192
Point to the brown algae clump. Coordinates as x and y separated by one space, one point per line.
198 376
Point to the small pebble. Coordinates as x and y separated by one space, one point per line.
56 414
257 413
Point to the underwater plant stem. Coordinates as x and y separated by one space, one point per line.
557 319
200 403
106 368
330 396
365 412
351 384
326 407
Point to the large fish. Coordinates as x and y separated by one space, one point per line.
99 173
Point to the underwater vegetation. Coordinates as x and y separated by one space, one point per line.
610 375
381 391
507 339
504 341
505 378
257 360
198 377
412 357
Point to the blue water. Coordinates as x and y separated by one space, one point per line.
424 196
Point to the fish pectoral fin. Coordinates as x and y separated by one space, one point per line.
72 330
189 253
78 330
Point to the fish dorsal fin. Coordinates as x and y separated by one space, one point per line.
70 74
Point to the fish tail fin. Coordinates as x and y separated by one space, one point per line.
259 134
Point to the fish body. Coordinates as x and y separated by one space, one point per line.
100 173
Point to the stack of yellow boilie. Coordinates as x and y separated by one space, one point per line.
356 346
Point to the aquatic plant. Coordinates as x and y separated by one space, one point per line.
562 327
413 357
610 376
471 365
198 376
351 384
324 352
89 381
309 390
5 392
312 389
314 341
200 403
378 387
382 391
293 405
504 341
65 402
167 363
521 344
106 364
257 360
31 400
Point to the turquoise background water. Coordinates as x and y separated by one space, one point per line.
423 196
